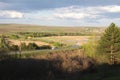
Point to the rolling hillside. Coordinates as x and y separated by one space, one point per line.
7 28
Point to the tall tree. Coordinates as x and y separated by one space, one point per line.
4 43
110 41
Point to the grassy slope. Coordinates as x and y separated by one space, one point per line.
56 66
5 28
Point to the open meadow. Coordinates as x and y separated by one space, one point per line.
67 40
8 28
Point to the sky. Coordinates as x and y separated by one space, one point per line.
60 12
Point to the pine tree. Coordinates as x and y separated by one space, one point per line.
110 41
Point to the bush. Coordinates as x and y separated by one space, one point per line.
4 43
13 36
3 51
71 62
90 48
32 46
57 44
45 47
14 48
23 46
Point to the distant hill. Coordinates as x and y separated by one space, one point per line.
7 28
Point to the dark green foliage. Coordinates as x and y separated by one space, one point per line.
57 44
32 46
45 47
46 34
23 46
4 43
14 48
4 46
110 40
13 36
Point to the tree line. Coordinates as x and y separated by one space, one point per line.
46 34
6 46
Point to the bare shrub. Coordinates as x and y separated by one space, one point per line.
70 62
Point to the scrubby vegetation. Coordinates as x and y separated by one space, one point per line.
33 46
6 46
62 65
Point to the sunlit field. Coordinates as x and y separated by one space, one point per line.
68 40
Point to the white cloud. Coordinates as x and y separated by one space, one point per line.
71 15
10 14
70 12
78 12
76 15
112 8
74 12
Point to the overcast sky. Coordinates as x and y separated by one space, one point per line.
60 12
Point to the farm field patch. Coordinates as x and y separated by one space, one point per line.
17 42
68 40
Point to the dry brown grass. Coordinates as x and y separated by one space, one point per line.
69 40
6 28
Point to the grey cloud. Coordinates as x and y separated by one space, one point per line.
30 5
